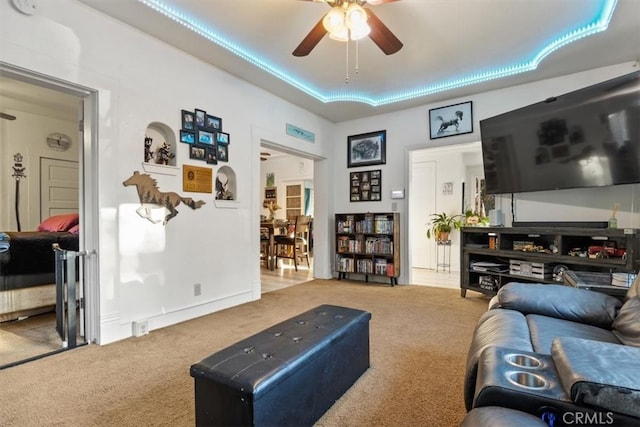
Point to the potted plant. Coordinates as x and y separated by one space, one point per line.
442 224
473 218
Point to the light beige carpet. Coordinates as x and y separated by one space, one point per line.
419 341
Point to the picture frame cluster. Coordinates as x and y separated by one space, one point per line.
366 186
205 136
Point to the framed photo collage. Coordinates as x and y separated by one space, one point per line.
203 132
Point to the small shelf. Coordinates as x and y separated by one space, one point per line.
161 169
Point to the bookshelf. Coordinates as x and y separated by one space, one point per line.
368 244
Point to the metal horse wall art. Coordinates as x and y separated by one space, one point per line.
151 197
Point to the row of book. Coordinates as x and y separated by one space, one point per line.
378 224
369 245
378 266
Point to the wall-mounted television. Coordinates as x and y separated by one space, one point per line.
586 138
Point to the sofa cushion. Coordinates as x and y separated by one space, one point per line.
544 329
560 301
600 374
627 323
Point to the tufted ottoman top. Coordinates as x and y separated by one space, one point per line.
262 361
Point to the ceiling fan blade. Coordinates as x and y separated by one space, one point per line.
311 40
7 116
382 36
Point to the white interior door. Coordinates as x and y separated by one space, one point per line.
59 187
421 204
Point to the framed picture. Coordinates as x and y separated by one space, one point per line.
223 138
188 120
198 152
451 120
367 149
213 122
205 137
212 155
223 152
187 137
271 193
365 186
200 116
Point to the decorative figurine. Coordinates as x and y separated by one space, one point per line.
222 189
148 154
164 154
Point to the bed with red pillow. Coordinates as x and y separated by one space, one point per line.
27 264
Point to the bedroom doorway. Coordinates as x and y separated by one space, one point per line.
41 103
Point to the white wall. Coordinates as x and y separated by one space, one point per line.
148 271
408 130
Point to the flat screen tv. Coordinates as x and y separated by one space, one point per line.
586 138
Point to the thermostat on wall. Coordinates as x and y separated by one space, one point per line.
397 194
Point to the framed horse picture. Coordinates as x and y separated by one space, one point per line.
456 119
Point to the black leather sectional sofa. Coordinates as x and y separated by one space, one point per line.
556 355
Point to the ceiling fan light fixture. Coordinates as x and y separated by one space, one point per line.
334 20
347 21
341 35
355 16
360 32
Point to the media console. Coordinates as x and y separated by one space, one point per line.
493 256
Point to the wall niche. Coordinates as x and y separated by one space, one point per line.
225 184
159 145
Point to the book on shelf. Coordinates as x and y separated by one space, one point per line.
390 270
346 224
383 224
344 264
593 279
493 267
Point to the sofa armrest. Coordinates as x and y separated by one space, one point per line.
598 373
561 302
495 328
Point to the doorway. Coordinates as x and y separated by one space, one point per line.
287 179
43 104
437 183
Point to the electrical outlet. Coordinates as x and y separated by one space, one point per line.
140 328
197 289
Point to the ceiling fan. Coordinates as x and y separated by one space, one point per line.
264 155
379 33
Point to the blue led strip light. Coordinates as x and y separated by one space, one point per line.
600 23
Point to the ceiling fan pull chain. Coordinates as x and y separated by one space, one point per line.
347 61
357 56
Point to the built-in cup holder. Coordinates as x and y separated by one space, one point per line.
526 379
523 360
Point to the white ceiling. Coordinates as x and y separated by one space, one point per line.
444 41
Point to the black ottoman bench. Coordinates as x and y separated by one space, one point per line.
286 375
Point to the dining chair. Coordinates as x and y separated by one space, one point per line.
295 245
265 247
